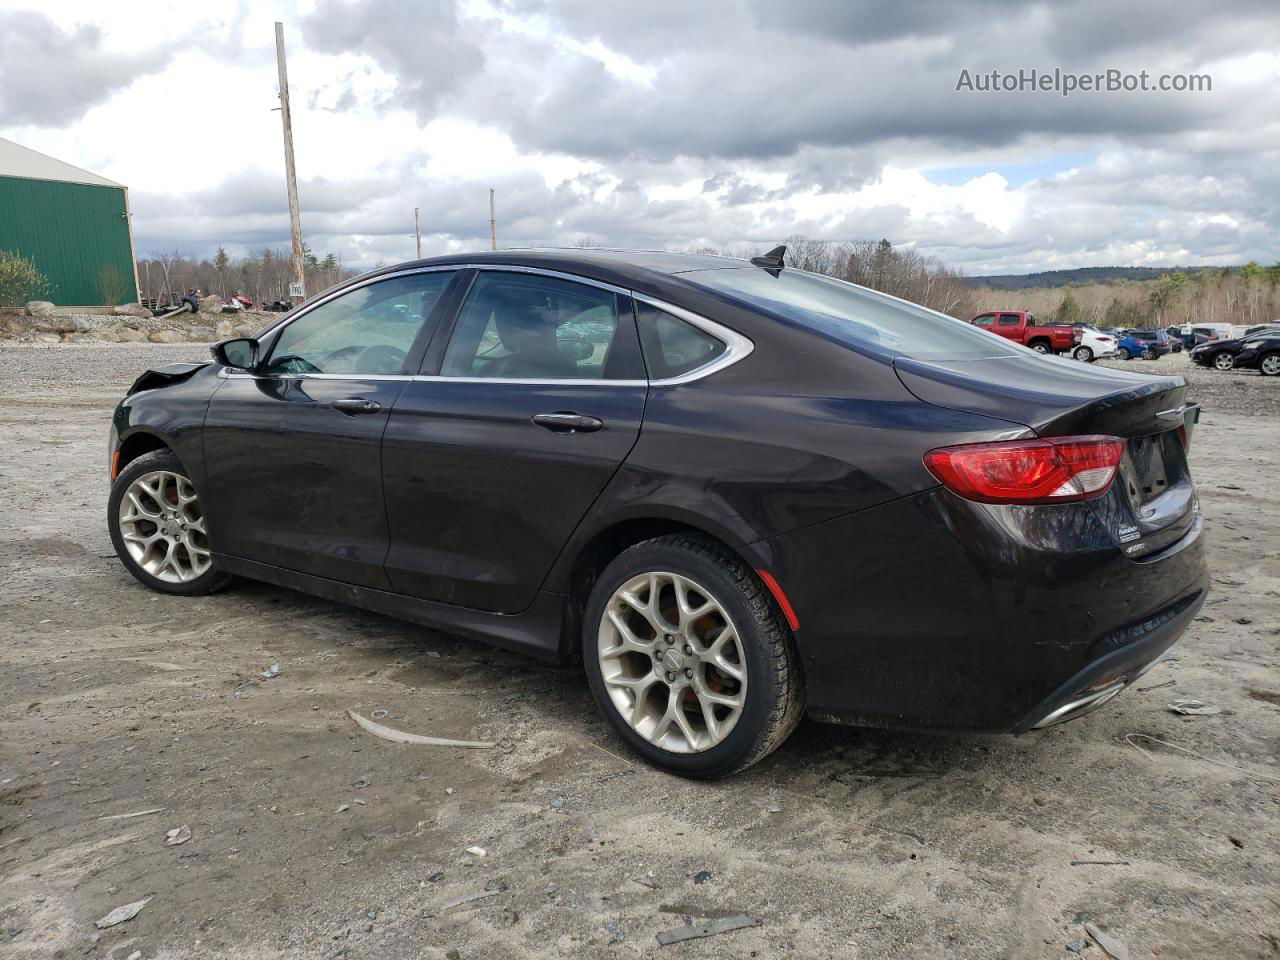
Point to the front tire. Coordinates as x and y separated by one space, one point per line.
1123 353
689 658
158 528
1223 361
1083 354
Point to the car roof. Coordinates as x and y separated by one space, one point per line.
635 269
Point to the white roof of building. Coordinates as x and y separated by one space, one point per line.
20 161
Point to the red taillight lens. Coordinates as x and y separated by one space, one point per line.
1077 334
1048 470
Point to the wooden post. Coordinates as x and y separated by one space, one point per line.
297 291
493 223
417 231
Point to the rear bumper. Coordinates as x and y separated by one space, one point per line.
934 613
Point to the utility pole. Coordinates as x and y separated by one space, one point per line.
297 289
493 223
417 231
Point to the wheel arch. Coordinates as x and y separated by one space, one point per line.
579 568
135 445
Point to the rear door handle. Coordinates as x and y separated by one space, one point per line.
354 406
567 422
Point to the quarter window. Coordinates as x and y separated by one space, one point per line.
673 347
518 326
369 330
1010 320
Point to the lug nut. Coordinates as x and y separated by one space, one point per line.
688 650
669 638
671 678
688 673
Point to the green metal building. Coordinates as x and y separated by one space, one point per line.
74 224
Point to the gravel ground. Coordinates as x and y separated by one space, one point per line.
312 839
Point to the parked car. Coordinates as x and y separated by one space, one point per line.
1147 344
1021 327
1247 351
1261 352
772 493
1094 344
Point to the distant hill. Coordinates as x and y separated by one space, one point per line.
1066 278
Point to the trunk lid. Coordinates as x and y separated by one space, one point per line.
1152 502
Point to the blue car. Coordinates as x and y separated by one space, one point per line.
1147 344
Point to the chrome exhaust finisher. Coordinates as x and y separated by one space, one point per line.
1080 706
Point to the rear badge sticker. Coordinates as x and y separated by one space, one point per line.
1129 533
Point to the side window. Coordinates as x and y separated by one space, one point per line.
522 326
672 346
1011 319
369 330
985 320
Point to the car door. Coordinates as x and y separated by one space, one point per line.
293 448
493 456
1010 326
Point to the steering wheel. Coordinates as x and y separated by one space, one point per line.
291 360
382 358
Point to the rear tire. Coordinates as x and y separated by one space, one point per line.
1083 354
1269 365
655 667
1149 354
1123 353
158 528
1223 361
1039 346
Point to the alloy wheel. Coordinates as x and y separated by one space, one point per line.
1084 354
162 527
1224 361
1270 365
672 662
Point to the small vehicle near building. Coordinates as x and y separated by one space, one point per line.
1021 327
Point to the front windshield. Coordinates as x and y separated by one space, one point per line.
854 315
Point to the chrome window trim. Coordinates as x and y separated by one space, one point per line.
737 346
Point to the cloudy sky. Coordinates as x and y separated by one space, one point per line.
666 124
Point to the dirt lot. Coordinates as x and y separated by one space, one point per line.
311 838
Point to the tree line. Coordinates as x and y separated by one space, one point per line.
262 277
1246 296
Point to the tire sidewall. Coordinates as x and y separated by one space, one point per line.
1223 361
1262 364
1083 354
762 683
208 581
1123 353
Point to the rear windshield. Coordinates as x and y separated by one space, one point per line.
854 315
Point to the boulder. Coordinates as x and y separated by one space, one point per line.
46 323
129 335
82 323
167 336
225 330
79 338
108 334
131 310
46 337
211 304
39 308
15 326
201 335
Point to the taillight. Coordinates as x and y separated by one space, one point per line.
1076 334
1048 470
1183 438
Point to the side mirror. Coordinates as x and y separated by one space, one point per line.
241 354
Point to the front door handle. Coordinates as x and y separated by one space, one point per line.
567 422
354 406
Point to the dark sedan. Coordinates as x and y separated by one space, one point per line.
736 492
1259 351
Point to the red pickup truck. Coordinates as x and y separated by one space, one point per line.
1022 327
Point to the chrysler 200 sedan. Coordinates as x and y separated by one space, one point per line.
737 492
